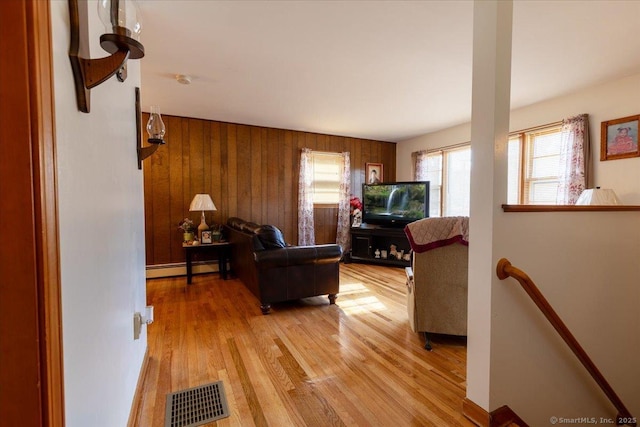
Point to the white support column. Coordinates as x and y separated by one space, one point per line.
492 23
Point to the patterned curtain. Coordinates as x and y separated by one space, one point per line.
306 234
343 237
420 167
575 159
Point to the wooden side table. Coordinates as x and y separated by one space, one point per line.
221 249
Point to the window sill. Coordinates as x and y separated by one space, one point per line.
569 208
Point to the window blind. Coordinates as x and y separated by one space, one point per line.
326 177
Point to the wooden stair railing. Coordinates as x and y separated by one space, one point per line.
504 269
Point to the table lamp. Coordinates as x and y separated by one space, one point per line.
202 202
598 197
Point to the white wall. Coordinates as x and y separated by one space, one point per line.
100 195
586 265
603 102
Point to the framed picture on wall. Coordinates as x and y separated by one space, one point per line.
374 173
619 138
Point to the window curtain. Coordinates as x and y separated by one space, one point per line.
343 237
420 167
575 159
306 234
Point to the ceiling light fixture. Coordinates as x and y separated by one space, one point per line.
184 79
122 25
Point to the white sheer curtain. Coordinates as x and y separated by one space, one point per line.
575 159
343 237
420 168
306 234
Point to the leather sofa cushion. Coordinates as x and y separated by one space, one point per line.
235 222
271 237
250 227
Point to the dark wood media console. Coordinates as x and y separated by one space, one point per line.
365 240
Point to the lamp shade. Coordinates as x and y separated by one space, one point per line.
598 197
202 202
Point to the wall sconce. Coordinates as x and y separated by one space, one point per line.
155 129
122 25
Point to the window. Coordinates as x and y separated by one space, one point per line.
433 174
533 172
534 166
449 173
458 182
327 169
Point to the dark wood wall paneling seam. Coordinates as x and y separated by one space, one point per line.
249 171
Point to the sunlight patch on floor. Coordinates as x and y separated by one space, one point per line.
352 288
357 305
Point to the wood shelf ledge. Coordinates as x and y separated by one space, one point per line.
570 208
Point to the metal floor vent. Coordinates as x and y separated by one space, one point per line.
196 406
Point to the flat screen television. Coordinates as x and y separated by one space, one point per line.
395 204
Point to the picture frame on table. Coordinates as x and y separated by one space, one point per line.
207 237
374 173
619 138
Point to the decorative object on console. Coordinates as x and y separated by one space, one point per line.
206 236
377 253
393 251
357 218
619 138
202 202
598 197
122 31
356 211
155 129
186 226
216 232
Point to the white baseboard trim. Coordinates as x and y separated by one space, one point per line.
180 269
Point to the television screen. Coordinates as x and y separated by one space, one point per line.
395 203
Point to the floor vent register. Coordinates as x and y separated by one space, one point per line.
196 406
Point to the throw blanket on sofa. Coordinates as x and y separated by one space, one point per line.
431 233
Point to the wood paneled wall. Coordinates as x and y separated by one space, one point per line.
250 172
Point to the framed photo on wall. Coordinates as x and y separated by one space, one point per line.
206 236
619 138
374 173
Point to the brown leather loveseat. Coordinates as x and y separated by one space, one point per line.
275 272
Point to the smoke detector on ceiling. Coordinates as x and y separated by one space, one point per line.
183 78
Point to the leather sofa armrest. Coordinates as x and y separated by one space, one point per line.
298 255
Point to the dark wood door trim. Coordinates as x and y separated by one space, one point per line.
30 309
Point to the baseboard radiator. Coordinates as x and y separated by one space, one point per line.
157 271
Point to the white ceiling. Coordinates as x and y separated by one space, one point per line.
385 70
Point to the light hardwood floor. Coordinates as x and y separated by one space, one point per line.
308 363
